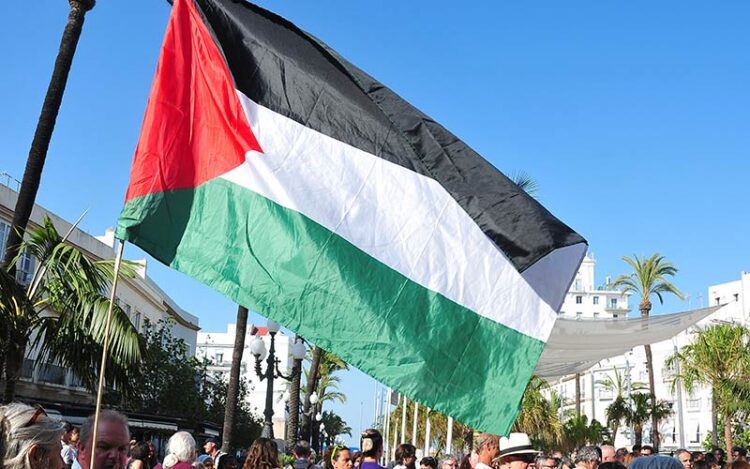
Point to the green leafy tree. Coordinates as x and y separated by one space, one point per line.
247 425
650 277
578 432
62 313
719 358
170 381
617 410
637 412
539 416
166 381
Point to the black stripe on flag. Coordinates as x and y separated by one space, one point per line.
284 69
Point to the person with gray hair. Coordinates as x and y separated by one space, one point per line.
608 453
449 462
545 461
685 457
29 439
487 447
588 457
180 451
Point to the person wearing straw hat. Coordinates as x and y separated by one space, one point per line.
516 451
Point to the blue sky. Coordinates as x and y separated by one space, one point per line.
633 117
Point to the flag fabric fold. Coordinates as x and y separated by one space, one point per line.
284 177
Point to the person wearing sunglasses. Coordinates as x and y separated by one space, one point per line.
337 457
516 452
29 439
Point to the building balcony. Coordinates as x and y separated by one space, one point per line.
618 310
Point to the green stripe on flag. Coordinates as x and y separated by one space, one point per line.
289 268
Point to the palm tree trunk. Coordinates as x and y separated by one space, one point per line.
311 384
40 144
652 392
714 420
728 437
13 363
233 389
638 435
293 407
578 394
645 308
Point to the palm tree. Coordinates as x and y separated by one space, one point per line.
527 183
617 383
321 380
539 417
38 153
616 411
719 358
334 426
649 277
578 432
62 313
637 412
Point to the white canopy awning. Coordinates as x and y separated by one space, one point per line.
576 345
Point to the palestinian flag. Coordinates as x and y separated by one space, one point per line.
284 177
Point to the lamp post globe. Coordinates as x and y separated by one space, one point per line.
298 350
258 348
314 398
273 326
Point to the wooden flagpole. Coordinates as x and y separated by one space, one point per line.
105 352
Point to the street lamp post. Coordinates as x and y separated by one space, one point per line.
258 349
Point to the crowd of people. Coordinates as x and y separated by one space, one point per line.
30 439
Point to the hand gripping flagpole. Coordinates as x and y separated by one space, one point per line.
105 352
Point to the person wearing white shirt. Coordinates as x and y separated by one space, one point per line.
487 448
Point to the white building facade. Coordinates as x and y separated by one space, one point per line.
217 347
690 422
139 296
586 300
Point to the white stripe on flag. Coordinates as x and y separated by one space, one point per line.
406 221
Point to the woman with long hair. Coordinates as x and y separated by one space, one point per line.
371 443
263 454
139 457
29 439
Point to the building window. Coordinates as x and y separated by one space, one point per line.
596 315
613 303
697 437
25 268
578 285
137 320
579 299
127 310
52 374
596 300
4 232
606 394
27 369
579 314
219 357
693 404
